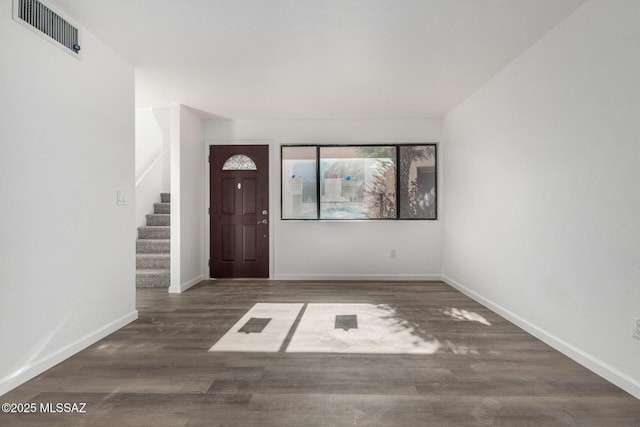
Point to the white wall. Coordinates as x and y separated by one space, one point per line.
541 168
191 199
175 167
338 249
67 251
187 198
152 159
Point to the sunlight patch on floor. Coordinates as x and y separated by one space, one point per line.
325 328
379 330
270 337
461 314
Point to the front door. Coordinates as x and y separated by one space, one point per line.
239 211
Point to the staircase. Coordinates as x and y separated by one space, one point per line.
152 247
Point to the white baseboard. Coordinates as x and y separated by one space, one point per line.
590 362
392 277
39 366
183 287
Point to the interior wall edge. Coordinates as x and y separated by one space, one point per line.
34 369
580 356
188 284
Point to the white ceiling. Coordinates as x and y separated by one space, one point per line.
261 59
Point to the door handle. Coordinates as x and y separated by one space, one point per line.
264 221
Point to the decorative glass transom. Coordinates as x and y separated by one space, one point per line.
239 162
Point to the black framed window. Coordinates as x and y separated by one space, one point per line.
299 166
417 181
372 182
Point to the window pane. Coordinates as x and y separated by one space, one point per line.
357 182
299 188
418 182
239 162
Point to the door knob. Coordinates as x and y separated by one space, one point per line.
264 221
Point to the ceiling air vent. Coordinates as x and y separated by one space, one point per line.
48 23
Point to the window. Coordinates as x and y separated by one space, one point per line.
358 182
239 162
417 181
328 182
299 182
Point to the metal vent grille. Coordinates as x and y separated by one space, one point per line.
48 23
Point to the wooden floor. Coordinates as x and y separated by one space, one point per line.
158 371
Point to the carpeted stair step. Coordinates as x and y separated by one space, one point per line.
156 232
158 219
153 246
153 278
153 261
162 208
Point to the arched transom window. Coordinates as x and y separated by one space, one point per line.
239 162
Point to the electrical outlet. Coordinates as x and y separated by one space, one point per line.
636 327
393 253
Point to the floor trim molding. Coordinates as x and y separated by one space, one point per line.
183 287
590 362
36 368
393 277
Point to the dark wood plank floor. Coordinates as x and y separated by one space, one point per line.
158 371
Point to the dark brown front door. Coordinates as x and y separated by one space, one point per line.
239 210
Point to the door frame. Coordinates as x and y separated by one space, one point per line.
207 197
